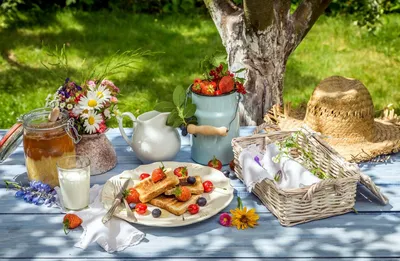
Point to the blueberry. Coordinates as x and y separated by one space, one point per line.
182 126
191 180
156 212
184 132
226 173
201 202
132 205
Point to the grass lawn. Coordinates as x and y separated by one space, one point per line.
333 47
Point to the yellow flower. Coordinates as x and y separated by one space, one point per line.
242 219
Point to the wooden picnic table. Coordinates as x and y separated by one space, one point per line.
29 232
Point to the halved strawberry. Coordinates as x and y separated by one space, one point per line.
181 171
182 193
226 84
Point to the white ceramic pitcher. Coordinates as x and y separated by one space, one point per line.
152 139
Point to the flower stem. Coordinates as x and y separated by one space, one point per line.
240 203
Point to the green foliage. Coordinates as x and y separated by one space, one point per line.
181 110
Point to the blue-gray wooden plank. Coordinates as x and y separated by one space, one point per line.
31 232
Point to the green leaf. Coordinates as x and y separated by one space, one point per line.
172 117
179 96
178 122
164 106
189 110
193 120
240 70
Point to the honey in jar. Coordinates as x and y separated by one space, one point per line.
45 143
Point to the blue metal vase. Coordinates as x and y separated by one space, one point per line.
217 111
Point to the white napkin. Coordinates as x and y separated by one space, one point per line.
115 235
291 173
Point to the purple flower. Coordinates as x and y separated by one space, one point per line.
66 80
257 159
225 219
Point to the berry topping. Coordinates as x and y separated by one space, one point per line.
201 201
141 208
191 180
144 175
131 195
156 212
181 171
193 209
208 186
182 193
158 174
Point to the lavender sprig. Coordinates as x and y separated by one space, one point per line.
37 193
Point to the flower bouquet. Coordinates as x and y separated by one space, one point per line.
92 103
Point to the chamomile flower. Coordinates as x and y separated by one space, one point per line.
103 93
90 102
70 106
107 113
62 105
92 122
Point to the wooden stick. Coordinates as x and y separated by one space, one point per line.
53 116
207 130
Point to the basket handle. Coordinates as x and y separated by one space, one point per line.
323 183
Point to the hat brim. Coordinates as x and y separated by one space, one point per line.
385 141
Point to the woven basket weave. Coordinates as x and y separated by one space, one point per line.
324 199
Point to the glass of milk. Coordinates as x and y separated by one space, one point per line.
74 178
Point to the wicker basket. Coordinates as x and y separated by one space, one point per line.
324 199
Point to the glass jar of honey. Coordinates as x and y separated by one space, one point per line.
45 142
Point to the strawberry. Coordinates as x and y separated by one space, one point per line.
232 165
215 163
208 90
131 195
217 92
158 174
196 87
226 84
181 171
71 221
182 193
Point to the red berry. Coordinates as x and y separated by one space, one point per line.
158 174
182 193
193 209
215 163
208 186
71 221
144 175
132 196
226 84
141 208
181 171
232 165
196 87
217 92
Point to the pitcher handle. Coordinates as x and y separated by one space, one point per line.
121 128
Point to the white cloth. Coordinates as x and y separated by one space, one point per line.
115 235
291 173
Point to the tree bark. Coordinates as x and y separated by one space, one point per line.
260 37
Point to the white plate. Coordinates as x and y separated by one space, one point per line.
217 200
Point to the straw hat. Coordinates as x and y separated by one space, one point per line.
341 109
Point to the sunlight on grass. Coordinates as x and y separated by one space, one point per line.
333 46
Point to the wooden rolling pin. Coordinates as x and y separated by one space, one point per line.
207 130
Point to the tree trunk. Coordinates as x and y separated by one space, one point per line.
260 37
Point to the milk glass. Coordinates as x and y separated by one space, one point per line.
74 178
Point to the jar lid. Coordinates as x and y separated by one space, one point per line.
11 141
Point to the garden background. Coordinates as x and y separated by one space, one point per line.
357 39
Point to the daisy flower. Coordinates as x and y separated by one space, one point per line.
103 93
90 102
70 106
92 122
107 113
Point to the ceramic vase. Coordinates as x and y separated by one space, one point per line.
100 151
